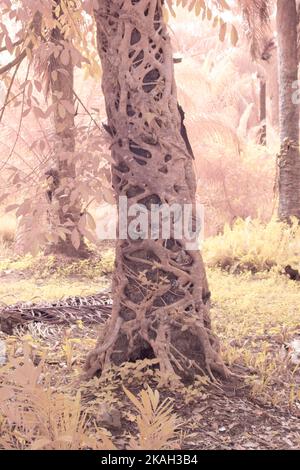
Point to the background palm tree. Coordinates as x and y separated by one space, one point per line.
289 157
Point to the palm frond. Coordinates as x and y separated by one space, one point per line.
256 15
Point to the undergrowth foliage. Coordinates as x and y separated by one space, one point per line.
156 422
36 415
252 245
42 267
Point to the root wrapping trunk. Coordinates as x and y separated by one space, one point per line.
160 291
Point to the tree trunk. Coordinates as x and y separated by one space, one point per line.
160 291
63 178
289 158
273 88
269 62
263 111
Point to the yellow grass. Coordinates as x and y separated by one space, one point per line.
12 290
251 245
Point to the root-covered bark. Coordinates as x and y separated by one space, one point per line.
160 291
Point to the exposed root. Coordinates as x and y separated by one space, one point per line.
172 361
93 361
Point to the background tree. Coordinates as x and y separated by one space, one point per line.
43 152
289 157
62 178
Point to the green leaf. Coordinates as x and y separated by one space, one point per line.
65 57
11 207
234 37
75 238
198 7
61 111
222 32
224 4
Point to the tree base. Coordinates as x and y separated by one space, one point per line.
65 248
182 351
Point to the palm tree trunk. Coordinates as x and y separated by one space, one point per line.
273 89
160 291
263 111
289 158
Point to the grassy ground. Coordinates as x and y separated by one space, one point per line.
254 315
253 305
13 290
50 278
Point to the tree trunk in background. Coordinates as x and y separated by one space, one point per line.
270 64
289 158
63 178
159 285
21 235
273 89
263 111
